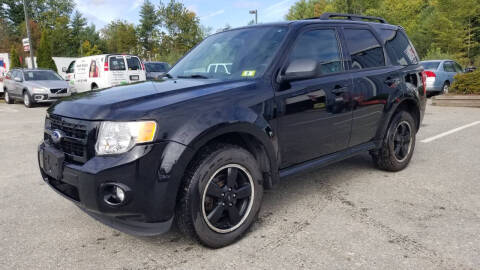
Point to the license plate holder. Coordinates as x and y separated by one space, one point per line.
134 77
53 162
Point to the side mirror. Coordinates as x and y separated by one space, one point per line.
300 69
64 69
18 79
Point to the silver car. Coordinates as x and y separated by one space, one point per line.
34 86
440 75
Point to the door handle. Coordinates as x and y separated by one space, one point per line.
339 90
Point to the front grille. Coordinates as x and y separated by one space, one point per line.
78 137
58 91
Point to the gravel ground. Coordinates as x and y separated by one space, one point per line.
348 215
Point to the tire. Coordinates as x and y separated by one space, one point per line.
445 88
27 100
94 86
398 146
212 219
7 98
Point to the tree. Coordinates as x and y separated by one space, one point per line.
14 59
181 30
87 49
147 28
308 8
120 37
77 26
44 52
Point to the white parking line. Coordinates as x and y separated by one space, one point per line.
449 132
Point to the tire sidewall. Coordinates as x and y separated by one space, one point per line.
6 97
399 118
26 96
446 87
200 179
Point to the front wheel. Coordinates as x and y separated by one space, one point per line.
397 148
27 100
221 195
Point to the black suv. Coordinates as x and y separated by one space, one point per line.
201 146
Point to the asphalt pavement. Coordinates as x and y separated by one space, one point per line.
346 216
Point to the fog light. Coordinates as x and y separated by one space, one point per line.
115 194
119 193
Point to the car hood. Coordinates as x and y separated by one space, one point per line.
137 101
47 84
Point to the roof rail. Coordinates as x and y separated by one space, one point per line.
352 17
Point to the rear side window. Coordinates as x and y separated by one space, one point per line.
116 63
71 67
322 46
399 49
448 67
364 49
133 63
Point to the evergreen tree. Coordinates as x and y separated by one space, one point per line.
44 52
14 59
147 28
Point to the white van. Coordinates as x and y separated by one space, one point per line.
102 71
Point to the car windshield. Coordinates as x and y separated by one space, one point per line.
430 65
156 67
41 75
236 54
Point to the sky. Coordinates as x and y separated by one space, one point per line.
215 14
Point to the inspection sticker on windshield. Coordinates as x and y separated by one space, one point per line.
248 73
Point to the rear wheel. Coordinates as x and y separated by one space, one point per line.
397 148
7 97
446 87
221 195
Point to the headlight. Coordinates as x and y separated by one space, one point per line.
119 137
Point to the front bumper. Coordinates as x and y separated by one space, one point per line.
146 170
48 98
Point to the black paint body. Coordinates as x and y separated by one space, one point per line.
297 125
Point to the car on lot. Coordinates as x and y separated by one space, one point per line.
200 147
102 71
470 69
156 70
34 86
440 75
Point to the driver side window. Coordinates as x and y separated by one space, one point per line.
323 47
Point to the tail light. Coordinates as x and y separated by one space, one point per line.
105 65
143 66
430 74
424 81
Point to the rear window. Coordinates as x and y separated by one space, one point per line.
156 67
399 49
364 49
116 63
133 63
430 65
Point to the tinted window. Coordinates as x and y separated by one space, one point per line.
116 63
71 67
133 63
448 67
321 46
364 49
156 67
430 65
41 75
399 49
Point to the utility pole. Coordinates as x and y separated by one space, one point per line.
256 15
32 59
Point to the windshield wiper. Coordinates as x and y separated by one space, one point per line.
193 76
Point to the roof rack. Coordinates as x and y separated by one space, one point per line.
352 17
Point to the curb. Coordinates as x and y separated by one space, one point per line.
457 101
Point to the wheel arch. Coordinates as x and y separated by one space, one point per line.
408 104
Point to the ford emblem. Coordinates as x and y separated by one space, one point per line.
57 136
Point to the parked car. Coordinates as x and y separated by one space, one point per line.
470 69
440 75
102 71
34 86
200 148
156 70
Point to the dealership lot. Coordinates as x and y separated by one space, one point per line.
348 215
